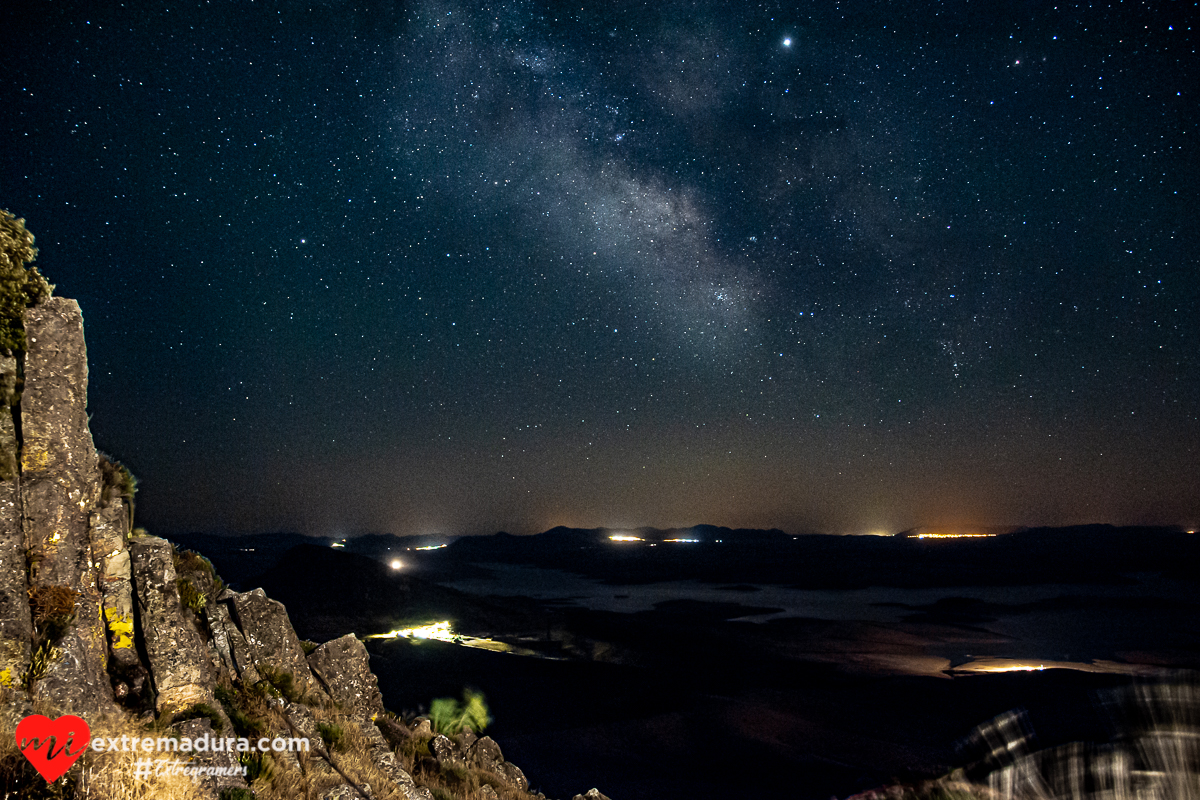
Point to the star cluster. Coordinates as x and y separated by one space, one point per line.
459 267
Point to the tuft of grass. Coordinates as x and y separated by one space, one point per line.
332 735
308 646
52 609
236 793
282 682
191 597
259 766
245 712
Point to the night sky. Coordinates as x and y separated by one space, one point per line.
447 267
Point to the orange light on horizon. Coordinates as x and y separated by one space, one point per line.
954 535
623 537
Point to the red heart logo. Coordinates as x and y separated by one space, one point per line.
49 744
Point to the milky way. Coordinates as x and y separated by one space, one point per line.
455 267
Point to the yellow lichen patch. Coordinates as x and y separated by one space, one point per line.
6 677
35 460
121 627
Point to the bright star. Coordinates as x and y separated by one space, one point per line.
787 42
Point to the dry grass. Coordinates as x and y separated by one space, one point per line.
95 776
457 782
109 776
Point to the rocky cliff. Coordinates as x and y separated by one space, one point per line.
144 641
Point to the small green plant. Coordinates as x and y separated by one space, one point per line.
43 656
190 596
332 735
416 748
244 724
236 793
448 716
282 682
258 766
308 646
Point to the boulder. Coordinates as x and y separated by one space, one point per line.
231 645
178 658
485 753
343 667
272 643
445 751
515 777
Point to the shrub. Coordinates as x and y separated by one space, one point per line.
448 716
191 561
21 286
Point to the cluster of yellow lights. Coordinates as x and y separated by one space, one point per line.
432 547
954 535
621 537
1015 668
434 630
681 540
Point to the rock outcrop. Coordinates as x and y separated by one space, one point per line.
126 630
174 647
344 670
272 645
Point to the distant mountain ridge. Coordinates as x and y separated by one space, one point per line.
715 554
